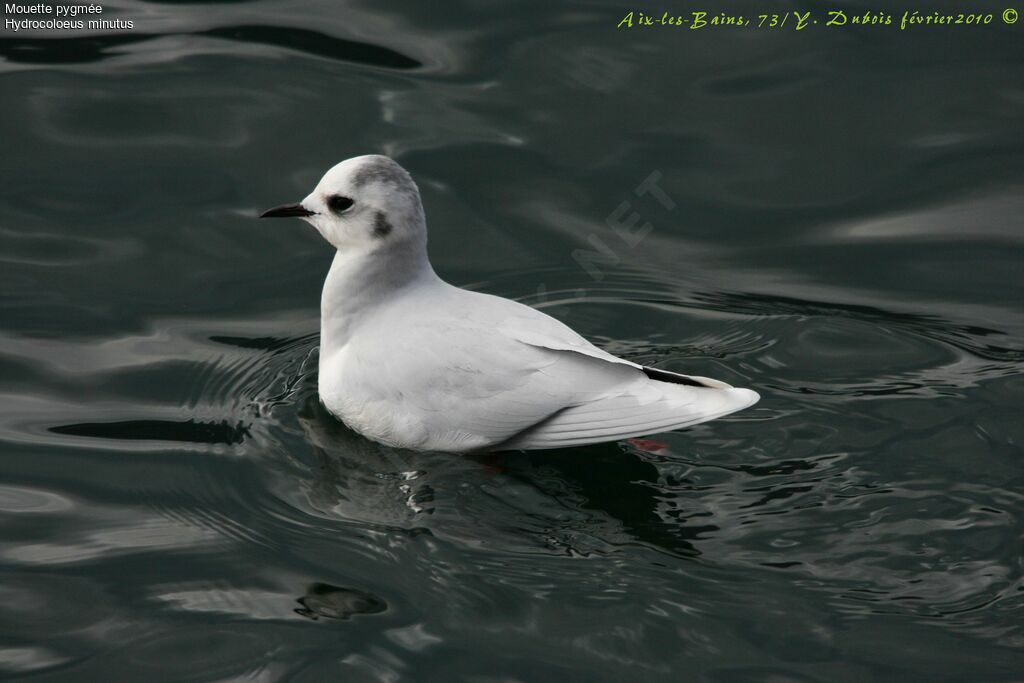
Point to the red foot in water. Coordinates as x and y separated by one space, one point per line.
648 445
492 465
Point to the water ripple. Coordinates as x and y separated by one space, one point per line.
85 49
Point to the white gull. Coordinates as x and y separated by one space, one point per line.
411 361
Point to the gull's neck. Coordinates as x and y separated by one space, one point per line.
359 281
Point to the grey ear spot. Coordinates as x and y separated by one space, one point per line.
381 226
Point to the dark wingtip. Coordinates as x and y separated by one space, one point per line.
672 378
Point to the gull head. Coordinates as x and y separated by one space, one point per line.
367 202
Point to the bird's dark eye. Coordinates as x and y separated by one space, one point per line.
337 203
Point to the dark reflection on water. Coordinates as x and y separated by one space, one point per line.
333 602
67 50
145 430
845 237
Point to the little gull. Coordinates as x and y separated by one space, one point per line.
411 361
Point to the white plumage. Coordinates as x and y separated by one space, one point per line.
411 361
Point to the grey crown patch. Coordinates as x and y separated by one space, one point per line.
381 170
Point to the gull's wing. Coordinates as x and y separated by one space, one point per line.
641 407
489 372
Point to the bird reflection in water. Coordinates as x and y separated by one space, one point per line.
590 500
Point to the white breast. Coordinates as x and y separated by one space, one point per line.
349 390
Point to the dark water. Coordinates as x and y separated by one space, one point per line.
845 235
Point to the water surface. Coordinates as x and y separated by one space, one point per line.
843 234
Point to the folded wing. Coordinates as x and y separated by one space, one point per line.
503 375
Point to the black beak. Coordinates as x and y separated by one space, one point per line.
287 211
